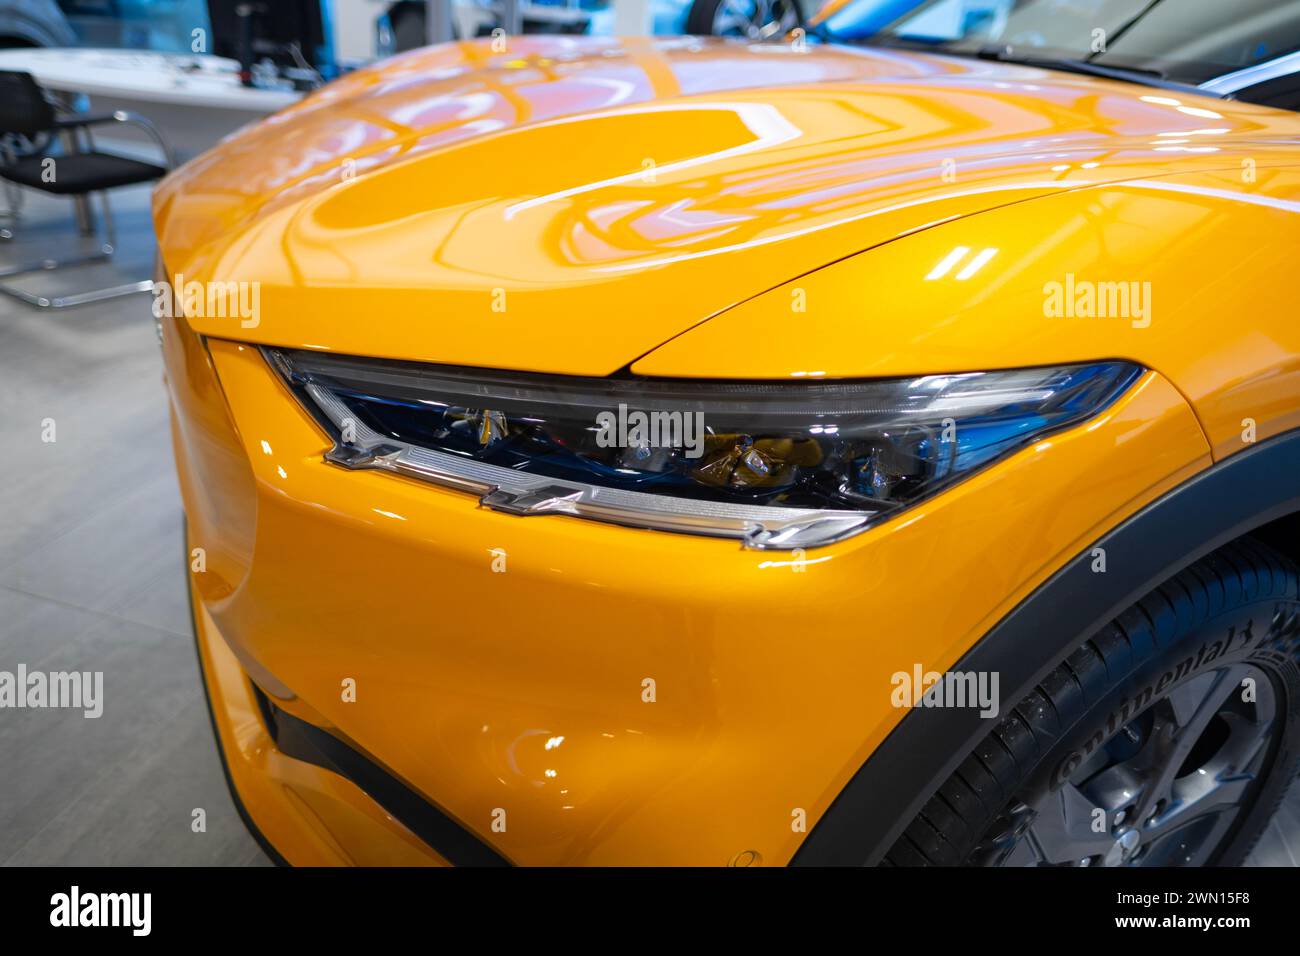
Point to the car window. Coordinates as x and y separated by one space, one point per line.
1190 41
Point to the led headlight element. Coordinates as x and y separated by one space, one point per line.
776 464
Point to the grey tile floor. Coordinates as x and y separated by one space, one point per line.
91 579
91 576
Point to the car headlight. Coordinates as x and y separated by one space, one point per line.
776 464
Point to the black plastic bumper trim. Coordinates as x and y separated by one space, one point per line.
1224 502
304 741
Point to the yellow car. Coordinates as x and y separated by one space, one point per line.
688 452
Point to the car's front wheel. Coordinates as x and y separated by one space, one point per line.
1166 739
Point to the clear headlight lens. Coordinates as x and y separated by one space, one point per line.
776 464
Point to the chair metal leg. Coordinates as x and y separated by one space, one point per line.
13 195
49 265
110 227
10 214
85 212
103 254
78 298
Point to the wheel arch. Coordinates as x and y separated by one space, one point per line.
35 24
1255 492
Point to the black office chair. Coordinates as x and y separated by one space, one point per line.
26 113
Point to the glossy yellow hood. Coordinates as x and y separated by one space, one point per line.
572 203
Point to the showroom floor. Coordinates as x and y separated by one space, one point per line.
91 579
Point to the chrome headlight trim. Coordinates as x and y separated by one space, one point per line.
519 493
758 527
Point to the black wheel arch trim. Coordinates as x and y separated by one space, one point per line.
1225 501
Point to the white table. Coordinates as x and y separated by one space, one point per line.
194 100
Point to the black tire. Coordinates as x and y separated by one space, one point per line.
1113 706
699 18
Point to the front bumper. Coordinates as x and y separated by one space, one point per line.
502 667
301 813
